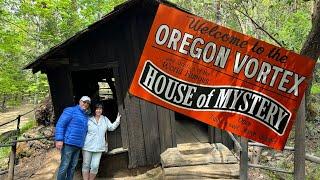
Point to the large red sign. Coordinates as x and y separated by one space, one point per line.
221 77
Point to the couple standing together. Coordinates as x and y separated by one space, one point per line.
76 131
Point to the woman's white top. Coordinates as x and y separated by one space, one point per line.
96 136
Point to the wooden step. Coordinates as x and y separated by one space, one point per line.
190 154
194 148
211 171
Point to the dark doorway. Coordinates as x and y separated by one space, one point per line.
99 85
189 130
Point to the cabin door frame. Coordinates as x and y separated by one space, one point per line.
114 65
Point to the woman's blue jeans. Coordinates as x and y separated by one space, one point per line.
69 160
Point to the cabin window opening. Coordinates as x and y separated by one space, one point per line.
105 91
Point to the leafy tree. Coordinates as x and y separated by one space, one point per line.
29 28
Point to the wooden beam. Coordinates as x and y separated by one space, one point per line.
300 143
237 144
270 168
173 128
312 158
95 66
262 145
120 102
12 161
309 157
244 159
56 61
211 134
117 151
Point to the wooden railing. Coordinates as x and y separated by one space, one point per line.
13 144
243 145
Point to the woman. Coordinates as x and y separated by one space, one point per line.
95 142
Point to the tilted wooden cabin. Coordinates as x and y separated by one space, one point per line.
100 62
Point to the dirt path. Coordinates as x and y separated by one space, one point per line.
48 167
12 114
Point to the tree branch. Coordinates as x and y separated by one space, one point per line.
259 27
24 30
246 14
238 20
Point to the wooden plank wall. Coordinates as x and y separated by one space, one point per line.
149 124
146 129
167 135
137 153
61 89
121 109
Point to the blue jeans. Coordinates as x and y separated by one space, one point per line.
69 160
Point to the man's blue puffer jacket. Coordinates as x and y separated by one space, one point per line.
72 126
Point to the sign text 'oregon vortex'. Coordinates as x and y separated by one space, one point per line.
221 77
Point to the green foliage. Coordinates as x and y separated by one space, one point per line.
315 89
4 156
287 21
29 125
29 28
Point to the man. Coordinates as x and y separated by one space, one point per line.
70 134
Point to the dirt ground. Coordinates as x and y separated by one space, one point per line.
42 164
12 114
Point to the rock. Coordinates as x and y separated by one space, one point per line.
47 131
264 153
269 158
23 150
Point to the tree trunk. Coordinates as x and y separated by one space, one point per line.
3 104
218 12
311 48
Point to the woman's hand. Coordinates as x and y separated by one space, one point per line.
118 116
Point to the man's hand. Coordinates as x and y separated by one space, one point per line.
59 145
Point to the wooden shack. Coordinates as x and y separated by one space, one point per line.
100 62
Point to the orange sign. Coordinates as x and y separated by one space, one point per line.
221 77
